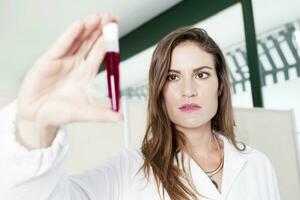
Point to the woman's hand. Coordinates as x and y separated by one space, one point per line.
55 89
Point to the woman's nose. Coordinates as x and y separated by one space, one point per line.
188 88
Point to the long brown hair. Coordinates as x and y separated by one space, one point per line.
162 140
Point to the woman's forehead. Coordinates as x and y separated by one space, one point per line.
188 56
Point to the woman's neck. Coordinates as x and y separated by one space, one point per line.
199 141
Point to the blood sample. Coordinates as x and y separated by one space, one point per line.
111 62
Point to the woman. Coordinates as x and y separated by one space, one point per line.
189 150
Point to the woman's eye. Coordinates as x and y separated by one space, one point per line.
202 75
172 77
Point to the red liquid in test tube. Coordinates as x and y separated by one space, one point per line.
112 61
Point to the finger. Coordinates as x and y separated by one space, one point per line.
74 34
100 114
76 45
96 55
66 40
81 72
107 18
86 46
91 24
93 51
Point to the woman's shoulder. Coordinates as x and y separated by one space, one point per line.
253 155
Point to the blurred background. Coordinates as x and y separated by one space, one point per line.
260 40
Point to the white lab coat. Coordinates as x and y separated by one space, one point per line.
39 174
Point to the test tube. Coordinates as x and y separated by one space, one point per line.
111 62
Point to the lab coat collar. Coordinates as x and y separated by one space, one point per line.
233 164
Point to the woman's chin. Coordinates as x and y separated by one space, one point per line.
191 124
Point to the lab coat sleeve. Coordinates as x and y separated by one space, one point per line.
272 190
39 174
272 181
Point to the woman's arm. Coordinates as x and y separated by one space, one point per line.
29 174
55 92
39 173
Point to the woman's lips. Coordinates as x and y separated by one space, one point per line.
189 107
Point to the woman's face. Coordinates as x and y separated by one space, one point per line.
191 88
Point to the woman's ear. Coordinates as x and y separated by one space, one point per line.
220 90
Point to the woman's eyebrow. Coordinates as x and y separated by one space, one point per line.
174 70
194 70
202 67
